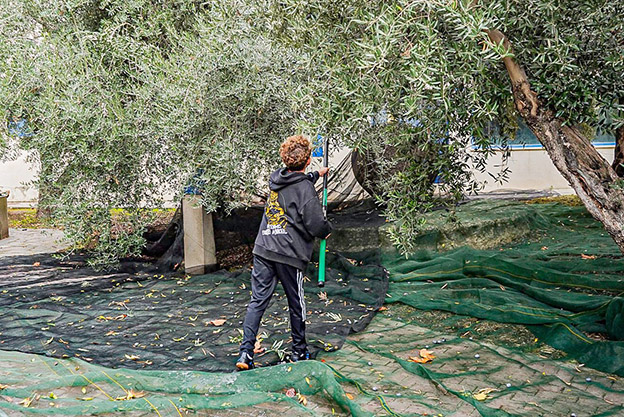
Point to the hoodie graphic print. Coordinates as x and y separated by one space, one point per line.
293 217
276 217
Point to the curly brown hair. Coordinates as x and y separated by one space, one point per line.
295 152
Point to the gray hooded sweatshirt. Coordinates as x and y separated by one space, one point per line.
293 217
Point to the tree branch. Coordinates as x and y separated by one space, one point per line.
519 80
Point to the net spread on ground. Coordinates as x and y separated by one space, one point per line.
532 325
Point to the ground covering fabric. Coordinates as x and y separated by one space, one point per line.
170 321
39 385
565 281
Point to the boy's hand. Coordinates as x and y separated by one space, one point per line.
323 171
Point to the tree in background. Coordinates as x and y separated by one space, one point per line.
447 71
127 101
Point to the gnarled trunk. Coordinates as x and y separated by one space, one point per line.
588 173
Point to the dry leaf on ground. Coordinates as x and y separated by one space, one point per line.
217 322
302 399
482 394
425 356
258 347
131 395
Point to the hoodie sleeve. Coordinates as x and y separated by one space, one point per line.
313 219
313 176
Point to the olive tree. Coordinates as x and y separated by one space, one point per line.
459 67
127 102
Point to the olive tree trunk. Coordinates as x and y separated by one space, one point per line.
593 179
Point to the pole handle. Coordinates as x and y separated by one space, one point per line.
323 248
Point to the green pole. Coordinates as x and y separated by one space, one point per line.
323 249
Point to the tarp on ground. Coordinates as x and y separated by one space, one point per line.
565 281
170 321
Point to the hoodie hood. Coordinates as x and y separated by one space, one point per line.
283 177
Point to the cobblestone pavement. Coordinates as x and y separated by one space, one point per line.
32 241
520 384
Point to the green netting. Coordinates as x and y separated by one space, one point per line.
550 268
38 385
564 281
468 376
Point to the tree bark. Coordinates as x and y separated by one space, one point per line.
587 172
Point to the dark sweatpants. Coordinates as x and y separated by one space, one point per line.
264 278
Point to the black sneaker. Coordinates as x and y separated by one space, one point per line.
245 362
300 356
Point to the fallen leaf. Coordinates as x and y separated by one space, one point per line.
588 256
416 359
132 357
349 396
52 395
26 402
130 395
3 387
217 322
425 356
258 347
480 396
85 399
35 264
302 399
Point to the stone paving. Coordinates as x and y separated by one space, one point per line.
518 383
466 378
32 241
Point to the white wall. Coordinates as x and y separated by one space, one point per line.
532 169
14 177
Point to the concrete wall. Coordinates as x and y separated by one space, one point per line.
532 169
14 177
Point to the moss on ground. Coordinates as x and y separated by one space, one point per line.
26 218
568 200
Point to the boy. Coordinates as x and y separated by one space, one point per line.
293 217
